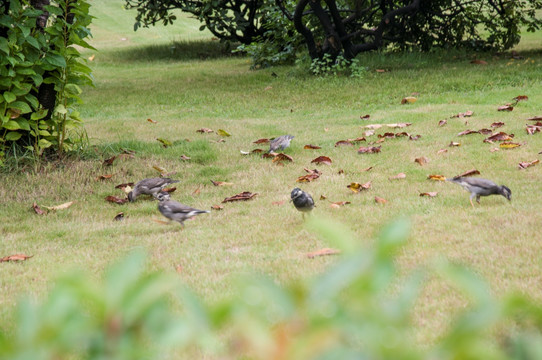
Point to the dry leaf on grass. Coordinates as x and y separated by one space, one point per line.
184 157
521 98
261 141
465 114
104 177
245 195
311 147
408 100
165 143
116 200
380 200
507 107
454 143
169 189
119 217
525 164
282 157
509 145
478 62
204 130
398 176
16 257
414 137
436 177
323 197
307 178
365 117
368 169
152 121
398 125
124 186
217 207
535 118
532 129
467 132
322 160
497 124
429 194
368 133
485 131
421 160
369 149
468 173
442 151
37 209
322 252
344 142
221 183
338 204
60 207
357 187
109 162
442 122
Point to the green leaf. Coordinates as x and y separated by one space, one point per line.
32 41
23 123
40 114
20 105
8 95
44 144
73 89
4 46
13 136
11 125
60 109
222 132
55 60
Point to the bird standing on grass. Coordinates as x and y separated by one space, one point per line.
176 211
302 201
481 187
150 186
280 143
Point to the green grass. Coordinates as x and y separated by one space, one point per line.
192 83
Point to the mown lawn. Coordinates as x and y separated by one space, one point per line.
184 80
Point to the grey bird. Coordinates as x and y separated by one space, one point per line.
481 187
280 143
150 186
176 211
302 201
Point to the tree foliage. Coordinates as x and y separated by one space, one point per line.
41 72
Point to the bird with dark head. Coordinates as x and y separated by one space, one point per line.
481 187
176 211
280 143
302 201
150 186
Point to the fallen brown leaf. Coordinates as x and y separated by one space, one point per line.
532 129
357 187
322 252
479 62
217 207
436 177
365 117
344 142
429 194
37 209
261 141
322 160
535 118
525 164
501 136
184 157
421 160
282 157
307 178
338 204
468 173
414 137
123 186
152 121
442 151
204 130
246 195
380 200
104 177
381 70
453 143
442 122
521 98
311 147
497 124
485 131
221 183
368 169
398 176
465 114
197 191
467 132
359 139
398 125
340 172
507 107
169 189
408 100
16 257
116 200
109 162
369 150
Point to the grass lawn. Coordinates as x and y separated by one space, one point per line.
184 80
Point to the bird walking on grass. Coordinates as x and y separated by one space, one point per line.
302 201
280 143
176 211
150 186
481 187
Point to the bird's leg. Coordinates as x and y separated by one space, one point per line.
471 200
478 199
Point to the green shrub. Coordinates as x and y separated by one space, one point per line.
39 61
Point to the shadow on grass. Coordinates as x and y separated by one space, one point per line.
176 51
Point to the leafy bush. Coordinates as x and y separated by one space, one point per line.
359 308
42 73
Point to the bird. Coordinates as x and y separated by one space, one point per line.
176 211
281 142
150 186
302 201
481 187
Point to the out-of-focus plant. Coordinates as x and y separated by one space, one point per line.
360 308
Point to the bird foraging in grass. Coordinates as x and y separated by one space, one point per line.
280 143
302 201
150 186
176 211
481 187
